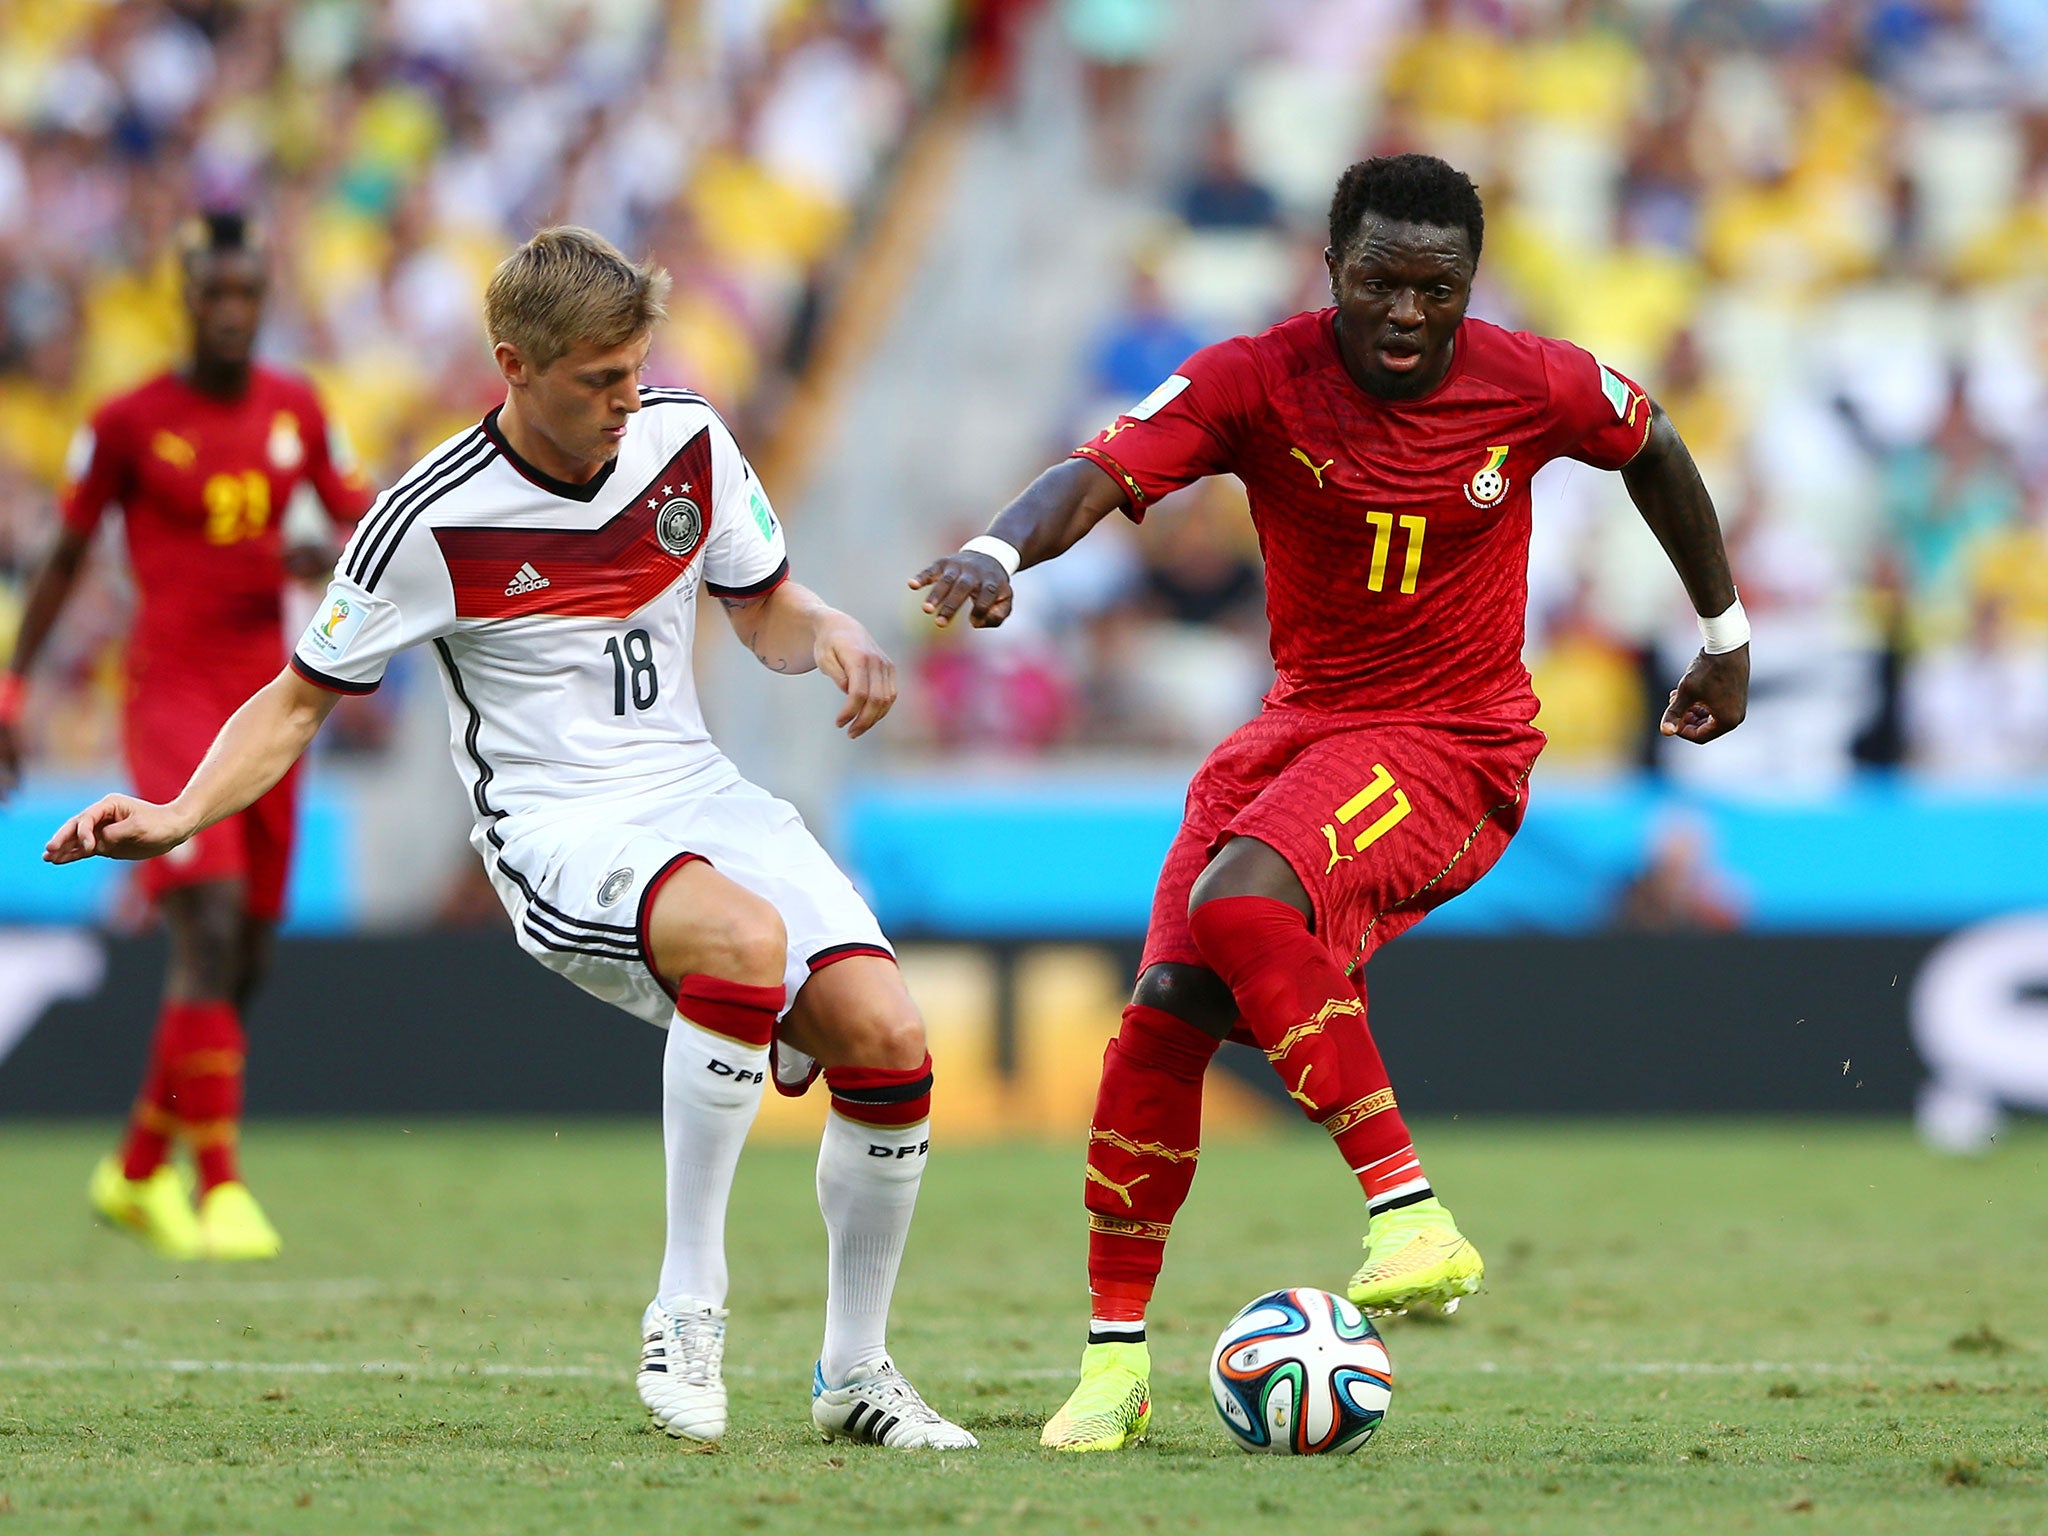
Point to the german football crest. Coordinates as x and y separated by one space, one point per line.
679 525
1489 485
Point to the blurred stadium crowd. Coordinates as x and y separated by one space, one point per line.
1818 232
394 150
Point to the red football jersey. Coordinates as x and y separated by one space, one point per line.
1395 532
204 483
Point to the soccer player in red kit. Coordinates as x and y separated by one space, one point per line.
1387 445
203 464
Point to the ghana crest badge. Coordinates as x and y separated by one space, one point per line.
1489 485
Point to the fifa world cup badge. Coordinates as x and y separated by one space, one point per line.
1489 485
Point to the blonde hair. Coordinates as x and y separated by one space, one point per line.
567 286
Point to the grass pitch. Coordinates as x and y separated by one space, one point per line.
1696 1328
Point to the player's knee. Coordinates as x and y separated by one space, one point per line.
206 943
1193 994
746 943
1248 867
878 1029
736 937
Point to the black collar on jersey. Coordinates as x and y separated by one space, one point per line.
568 489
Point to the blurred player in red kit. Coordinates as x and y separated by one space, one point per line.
1387 445
203 463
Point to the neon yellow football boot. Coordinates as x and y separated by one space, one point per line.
1415 1257
157 1209
1112 1406
232 1225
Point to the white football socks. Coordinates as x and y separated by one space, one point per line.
867 1188
710 1091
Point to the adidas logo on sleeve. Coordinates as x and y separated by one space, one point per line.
525 580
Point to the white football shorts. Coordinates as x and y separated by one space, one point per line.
578 887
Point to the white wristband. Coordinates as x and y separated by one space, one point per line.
1003 554
1725 632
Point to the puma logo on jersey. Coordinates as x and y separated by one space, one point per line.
525 580
1313 467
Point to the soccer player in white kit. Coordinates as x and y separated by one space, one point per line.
553 556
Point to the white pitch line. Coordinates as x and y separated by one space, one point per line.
67 1364
363 1288
109 1364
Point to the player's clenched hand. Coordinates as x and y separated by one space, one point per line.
1712 697
962 577
118 827
848 655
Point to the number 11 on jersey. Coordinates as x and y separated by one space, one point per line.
633 670
1382 536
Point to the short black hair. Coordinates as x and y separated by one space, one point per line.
216 230
1413 189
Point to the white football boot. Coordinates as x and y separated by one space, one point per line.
878 1405
681 1379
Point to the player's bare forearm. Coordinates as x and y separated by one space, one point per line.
255 749
47 594
792 629
1046 520
1666 487
1665 484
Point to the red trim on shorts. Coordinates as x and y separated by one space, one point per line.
647 895
838 952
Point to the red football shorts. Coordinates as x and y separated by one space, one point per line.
168 731
1383 818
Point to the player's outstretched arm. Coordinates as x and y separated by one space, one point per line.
253 751
792 629
1048 519
1664 483
47 595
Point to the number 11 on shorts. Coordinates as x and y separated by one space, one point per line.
1375 789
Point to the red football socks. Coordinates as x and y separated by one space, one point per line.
197 1075
1141 1160
151 1124
1310 1020
737 1010
885 1097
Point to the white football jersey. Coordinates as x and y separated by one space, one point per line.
562 615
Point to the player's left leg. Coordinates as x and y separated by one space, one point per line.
1251 916
231 1223
1364 832
855 1016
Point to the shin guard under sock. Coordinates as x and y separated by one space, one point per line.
1310 1021
1141 1160
870 1163
712 1070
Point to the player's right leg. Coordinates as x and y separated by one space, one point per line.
193 1083
1142 1147
722 951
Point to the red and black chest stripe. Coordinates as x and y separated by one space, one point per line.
606 572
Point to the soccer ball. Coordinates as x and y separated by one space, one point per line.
1301 1373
